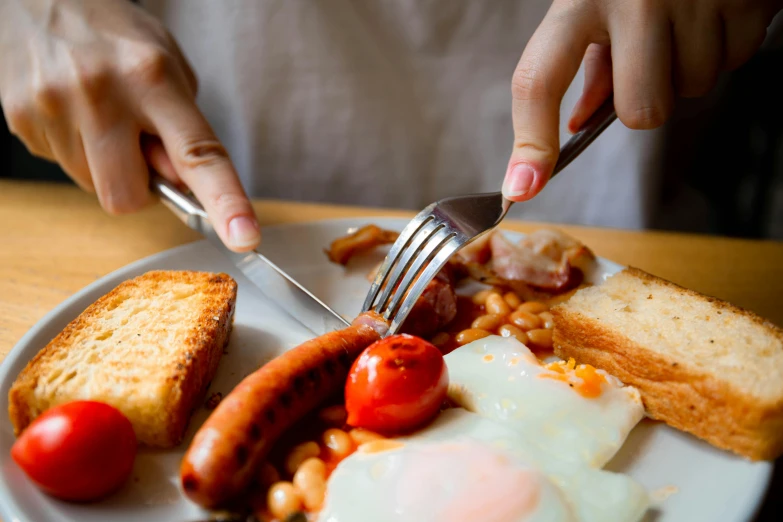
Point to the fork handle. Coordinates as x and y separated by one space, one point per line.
593 127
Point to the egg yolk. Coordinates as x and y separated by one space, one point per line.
583 378
441 480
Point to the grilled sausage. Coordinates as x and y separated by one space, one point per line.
435 308
236 437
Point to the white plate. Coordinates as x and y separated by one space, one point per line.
710 485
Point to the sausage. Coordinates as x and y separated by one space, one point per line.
239 433
435 308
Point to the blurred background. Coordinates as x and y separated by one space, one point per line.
723 159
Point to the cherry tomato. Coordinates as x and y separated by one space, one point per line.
397 384
78 451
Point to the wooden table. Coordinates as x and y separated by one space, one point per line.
55 240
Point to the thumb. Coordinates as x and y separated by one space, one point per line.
548 65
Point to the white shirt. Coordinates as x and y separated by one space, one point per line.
393 103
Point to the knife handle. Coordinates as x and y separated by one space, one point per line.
186 208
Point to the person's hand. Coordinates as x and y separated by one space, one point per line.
82 81
645 51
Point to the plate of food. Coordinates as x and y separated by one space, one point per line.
534 382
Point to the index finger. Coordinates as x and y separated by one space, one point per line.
547 67
202 163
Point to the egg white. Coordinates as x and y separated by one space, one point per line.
501 379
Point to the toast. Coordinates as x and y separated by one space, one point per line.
150 348
701 365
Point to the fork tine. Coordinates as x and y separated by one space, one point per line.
445 250
404 260
418 258
421 219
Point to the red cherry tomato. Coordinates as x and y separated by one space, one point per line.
78 451
397 384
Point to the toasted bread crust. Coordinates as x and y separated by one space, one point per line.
193 373
687 399
188 374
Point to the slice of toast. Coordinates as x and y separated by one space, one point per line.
702 365
150 348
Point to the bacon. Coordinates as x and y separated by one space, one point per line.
518 262
543 263
556 245
363 240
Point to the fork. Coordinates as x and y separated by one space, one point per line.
429 240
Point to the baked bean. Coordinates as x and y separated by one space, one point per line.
512 300
541 337
533 307
333 415
299 454
314 497
359 436
377 446
470 335
267 475
338 442
488 322
310 480
283 499
313 467
480 298
525 320
548 318
509 330
497 305
441 339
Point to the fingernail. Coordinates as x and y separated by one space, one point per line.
243 232
519 180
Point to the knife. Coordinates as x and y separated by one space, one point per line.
273 282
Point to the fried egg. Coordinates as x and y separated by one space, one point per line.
526 445
459 480
466 460
593 494
578 413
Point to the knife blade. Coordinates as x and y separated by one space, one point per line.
268 278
